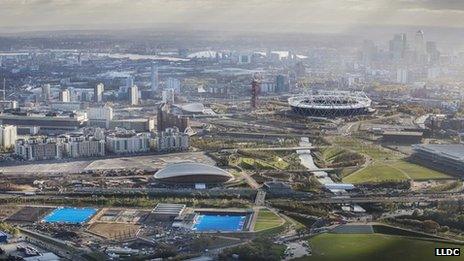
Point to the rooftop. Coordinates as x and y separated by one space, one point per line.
403 133
168 209
190 169
452 151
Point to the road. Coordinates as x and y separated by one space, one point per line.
387 199
272 149
250 180
260 198
328 199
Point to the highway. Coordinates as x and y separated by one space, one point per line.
327 199
386 199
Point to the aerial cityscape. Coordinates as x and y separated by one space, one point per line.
231 130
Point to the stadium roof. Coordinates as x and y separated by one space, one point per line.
331 100
192 172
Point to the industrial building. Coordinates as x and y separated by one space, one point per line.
47 123
402 137
136 124
445 157
192 173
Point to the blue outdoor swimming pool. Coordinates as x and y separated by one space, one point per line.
70 215
219 222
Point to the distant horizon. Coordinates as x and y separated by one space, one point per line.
379 33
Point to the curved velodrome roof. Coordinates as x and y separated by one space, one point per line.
190 172
193 107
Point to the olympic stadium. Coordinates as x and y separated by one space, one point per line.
331 104
190 173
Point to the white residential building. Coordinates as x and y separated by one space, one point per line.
98 92
65 96
8 136
128 142
40 148
174 84
168 96
172 140
154 78
78 147
46 92
134 95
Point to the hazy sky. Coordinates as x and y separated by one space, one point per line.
267 15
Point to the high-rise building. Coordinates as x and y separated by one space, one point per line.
281 83
154 78
419 47
402 75
8 136
398 47
174 84
168 96
432 52
129 81
46 92
165 118
65 95
134 95
98 92
369 51
419 42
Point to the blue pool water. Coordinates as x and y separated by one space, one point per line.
70 215
215 222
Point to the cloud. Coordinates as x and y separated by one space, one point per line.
230 14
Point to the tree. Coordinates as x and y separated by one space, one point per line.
430 225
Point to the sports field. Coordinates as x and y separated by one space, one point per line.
378 247
266 220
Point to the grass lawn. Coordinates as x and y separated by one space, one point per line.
417 172
373 151
396 170
378 247
329 153
266 220
251 163
376 173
